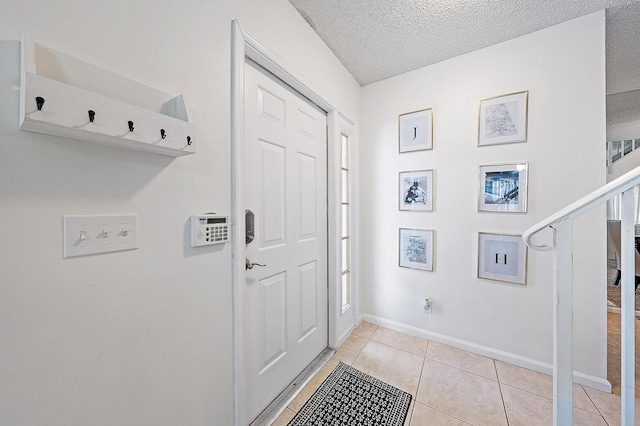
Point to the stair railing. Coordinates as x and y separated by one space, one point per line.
562 224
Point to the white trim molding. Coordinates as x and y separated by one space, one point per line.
510 358
344 320
245 47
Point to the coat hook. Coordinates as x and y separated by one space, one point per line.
188 140
163 134
131 126
39 102
92 115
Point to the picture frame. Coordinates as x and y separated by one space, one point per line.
415 249
503 187
415 190
502 257
415 130
503 119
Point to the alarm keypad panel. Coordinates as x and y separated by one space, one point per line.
208 229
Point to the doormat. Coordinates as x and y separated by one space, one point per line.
350 397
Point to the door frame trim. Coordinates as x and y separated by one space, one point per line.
245 46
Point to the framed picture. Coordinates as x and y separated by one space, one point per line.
416 190
416 249
503 119
503 187
415 130
502 257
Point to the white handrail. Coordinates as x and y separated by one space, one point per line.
610 190
562 224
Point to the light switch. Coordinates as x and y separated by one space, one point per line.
88 234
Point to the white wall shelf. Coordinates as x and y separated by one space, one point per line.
74 90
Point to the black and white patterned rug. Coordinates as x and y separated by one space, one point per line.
350 397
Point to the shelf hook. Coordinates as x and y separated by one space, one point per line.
92 115
39 102
188 140
163 134
131 126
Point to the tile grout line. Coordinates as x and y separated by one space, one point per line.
467 371
398 349
368 339
409 414
594 404
599 413
504 406
420 381
415 400
436 408
425 357
363 346
446 414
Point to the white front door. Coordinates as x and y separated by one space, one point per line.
285 302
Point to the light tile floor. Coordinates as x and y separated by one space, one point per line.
454 387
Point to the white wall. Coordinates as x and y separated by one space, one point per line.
563 69
142 337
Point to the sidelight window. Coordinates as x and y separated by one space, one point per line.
345 217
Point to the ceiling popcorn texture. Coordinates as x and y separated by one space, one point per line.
623 48
376 40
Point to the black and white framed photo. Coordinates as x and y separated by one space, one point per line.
416 249
502 257
416 190
503 187
503 119
415 130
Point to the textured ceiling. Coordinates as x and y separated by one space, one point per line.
623 107
378 39
623 48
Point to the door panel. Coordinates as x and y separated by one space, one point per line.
307 124
308 299
272 193
307 197
271 107
285 314
273 315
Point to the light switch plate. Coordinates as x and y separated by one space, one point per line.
88 234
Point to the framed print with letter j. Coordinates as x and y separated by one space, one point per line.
415 130
503 119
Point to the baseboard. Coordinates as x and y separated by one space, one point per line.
344 336
592 381
520 361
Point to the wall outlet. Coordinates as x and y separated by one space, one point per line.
427 305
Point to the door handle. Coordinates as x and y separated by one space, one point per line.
249 226
249 264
